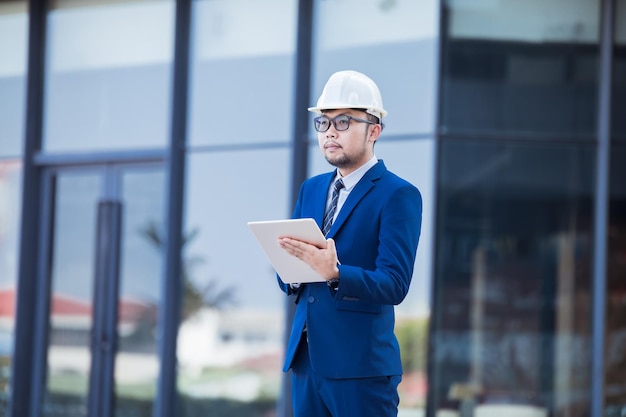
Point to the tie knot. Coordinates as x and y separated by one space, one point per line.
338 184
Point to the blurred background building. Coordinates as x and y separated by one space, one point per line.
138 137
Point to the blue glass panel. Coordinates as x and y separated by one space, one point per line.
108 76
230 343
13 39
242 72
520 68
513 277
394 43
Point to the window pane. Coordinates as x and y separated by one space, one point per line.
242 71
512 278
71 275
615 384
13 38
10 191
394 43
615 358
108 75
141 273
230 343
529 68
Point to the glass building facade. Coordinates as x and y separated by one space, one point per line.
137 139
521 128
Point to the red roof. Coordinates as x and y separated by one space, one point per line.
63 305
7 303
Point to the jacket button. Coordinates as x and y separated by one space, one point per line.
311 299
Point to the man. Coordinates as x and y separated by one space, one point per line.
343 353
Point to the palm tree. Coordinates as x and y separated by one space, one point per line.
194 298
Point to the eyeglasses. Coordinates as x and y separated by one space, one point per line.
341 122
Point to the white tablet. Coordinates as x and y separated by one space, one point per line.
290 268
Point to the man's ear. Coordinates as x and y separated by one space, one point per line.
374 132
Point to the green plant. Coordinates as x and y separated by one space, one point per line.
412 336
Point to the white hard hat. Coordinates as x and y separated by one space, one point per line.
350 90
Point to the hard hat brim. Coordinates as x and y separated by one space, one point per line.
380 113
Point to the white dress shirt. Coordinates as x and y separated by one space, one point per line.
349 181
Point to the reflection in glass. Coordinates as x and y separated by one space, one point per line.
137 369
77 194
13 36
70 322
108 88
242 71
10 191
521 67
513 277
379 36
615 342
230 343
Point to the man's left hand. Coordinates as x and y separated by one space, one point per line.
323 260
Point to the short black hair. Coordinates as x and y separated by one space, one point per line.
371 117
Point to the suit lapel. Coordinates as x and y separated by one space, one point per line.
356 195
322 193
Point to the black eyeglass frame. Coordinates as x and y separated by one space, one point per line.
316 122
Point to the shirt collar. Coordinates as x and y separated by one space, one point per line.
350 180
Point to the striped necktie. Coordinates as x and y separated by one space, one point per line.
330 214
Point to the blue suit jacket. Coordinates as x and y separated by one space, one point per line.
351 330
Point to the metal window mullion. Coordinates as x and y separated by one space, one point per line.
605 77
104 340
171 290
25 350
434 324
41 310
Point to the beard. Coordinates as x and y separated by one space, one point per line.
340 161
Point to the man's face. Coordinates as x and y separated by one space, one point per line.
348 149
